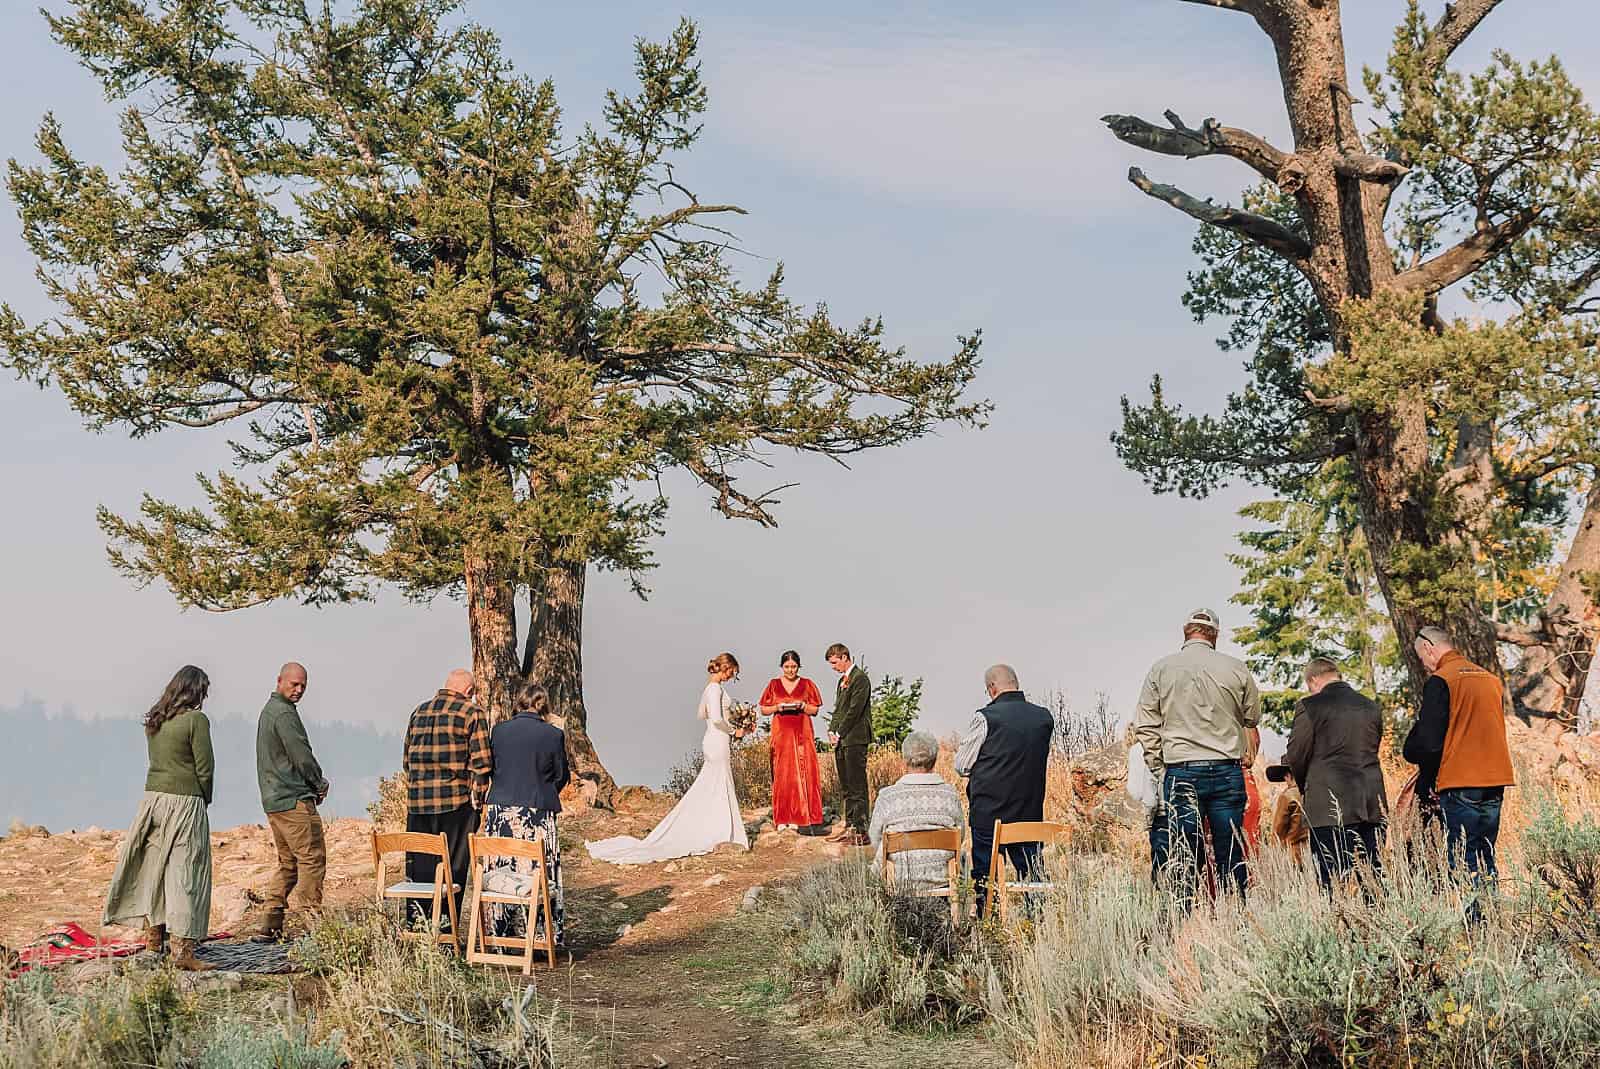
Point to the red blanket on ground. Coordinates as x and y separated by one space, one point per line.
69 942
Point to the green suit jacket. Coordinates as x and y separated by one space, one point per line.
852 709
286 771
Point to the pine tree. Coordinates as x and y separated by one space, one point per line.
1467 443
1309 584
457 341
895 707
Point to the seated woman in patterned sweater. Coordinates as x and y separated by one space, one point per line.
920 800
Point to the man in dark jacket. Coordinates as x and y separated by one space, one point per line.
291 787
1004 753
1333 753
850 731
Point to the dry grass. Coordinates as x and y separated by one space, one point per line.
1420 971
394 1002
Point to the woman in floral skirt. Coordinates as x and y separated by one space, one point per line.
530 770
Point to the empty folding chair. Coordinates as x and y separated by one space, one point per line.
1001 888
441 890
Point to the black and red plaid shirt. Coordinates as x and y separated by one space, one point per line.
447 760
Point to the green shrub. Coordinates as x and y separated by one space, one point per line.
239 1044
1563 894
134 1021
752 771
398 1002
860 948
895 706
341 942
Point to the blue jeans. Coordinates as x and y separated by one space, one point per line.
1212 791
1472 824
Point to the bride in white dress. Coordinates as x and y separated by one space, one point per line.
708 814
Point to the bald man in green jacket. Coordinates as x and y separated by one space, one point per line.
292 785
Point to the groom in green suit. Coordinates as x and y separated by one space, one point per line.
850 731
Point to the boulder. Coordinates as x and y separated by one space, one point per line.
579 795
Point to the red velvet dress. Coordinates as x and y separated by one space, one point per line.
796 787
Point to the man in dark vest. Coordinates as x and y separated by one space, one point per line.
1004 754
1333 753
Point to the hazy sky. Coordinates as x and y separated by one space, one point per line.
938 164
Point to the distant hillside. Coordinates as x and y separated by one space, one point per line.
65 772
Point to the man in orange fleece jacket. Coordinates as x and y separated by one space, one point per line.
1460 750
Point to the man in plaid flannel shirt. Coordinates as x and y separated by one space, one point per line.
447 764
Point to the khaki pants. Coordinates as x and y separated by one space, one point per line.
302 857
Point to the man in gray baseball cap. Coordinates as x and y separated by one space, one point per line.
1196 721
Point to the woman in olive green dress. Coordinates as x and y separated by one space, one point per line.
163 877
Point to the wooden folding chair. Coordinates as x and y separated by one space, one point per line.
1029 831
479 941
442 890
896 842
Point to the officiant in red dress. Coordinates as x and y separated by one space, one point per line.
792 700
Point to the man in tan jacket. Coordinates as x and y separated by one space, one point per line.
1197 717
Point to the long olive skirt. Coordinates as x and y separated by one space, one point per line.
164 870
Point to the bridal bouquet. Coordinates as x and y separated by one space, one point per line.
743 717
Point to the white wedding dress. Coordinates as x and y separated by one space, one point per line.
708 814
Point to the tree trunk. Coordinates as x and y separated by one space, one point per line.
1550 678
492 618
554 657
1351 258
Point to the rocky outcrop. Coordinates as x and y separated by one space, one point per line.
1567 763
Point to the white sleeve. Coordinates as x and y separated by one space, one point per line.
715 699
971 743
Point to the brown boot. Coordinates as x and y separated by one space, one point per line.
271 930
155 938
183 957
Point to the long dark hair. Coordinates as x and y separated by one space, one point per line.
187 691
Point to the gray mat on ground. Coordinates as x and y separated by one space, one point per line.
266 958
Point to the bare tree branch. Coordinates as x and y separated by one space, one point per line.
1471 253
1369 168
732 503
654 225
1333 406
1257 228
244 408
1454 26
420 477
1516 636
1211 139
1247 6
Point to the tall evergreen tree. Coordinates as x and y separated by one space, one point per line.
1309 586
458 340
1461 437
